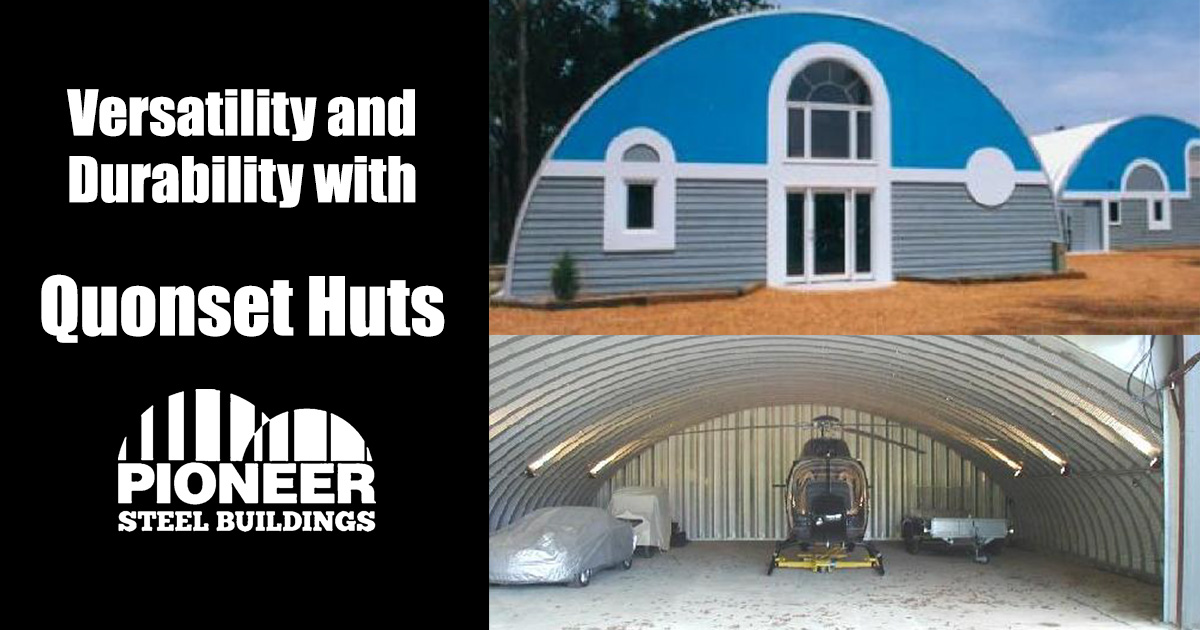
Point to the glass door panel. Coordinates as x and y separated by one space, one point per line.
829 233
862 233
795 234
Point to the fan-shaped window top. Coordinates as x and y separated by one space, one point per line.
1144 178
829 113
640 153
829 82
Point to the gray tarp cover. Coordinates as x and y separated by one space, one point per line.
653 506
556 543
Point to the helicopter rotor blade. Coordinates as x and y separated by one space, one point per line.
883 439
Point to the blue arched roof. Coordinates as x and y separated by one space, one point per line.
707 91
1158 138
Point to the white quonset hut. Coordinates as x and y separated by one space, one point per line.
1126 183
795 148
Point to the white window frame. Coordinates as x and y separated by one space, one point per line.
1108 215
1150 196
850 241
793 173
619 174
1165 223
645 181
852 112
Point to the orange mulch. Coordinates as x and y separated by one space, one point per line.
1124 292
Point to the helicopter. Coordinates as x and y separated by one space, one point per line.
826 503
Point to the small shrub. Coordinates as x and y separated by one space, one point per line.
564 278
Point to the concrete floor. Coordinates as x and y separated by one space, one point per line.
721 585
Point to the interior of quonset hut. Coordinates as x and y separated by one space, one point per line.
927 479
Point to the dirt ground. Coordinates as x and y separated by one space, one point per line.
724 585
1124 292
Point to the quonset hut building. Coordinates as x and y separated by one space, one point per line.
1127 183
792 148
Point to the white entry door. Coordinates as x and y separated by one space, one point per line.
828 235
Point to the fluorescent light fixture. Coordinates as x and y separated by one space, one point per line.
1017 472
1038 446
1156 462
995 453
1065 470
532 469
1127 433
1023 438
598 467
1049 454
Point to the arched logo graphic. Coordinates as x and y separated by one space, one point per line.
204 446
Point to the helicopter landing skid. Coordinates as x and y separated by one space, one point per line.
823 560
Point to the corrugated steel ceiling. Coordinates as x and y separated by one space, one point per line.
1037 400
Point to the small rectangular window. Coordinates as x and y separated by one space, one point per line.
795 148
864 135
640 209
1158 211
830 134
1114 213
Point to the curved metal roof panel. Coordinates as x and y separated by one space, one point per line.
706 91
1093 158
572 403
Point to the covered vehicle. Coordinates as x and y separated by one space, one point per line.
559 545
648 510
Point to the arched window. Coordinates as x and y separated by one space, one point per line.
829 113
1144 183
639 192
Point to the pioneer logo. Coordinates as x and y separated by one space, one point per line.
202 447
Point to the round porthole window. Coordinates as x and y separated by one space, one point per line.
991 177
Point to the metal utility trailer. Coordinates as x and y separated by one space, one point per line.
943 516
985 535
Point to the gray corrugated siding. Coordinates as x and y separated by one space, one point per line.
1133 232
1084 230
720 239
721 473
938 231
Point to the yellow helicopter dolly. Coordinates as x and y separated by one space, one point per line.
824 560
826 504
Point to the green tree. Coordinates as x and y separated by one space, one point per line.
546 58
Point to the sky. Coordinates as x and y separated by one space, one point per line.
1060 62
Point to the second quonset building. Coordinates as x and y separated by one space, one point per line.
798 149
1126 183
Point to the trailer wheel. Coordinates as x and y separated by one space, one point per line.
982 558
879 567
771 564
627 563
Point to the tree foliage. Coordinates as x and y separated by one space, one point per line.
572 48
